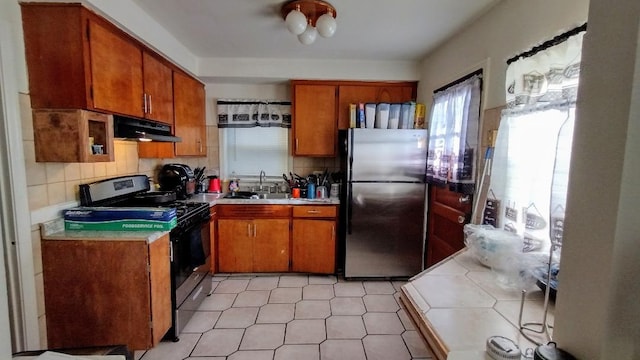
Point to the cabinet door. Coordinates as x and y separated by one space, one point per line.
448 213
314 120
98 293
373 93
160 286
188 97
158 90
235 245
212 238
116 72
271 245
314 246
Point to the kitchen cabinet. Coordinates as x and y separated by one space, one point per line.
372 92
314 239
158 89
321 107
105 292
78 60
213 231
115 71
253 238
88 136
190 122
314 119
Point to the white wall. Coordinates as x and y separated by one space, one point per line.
508 29
239 70
598 307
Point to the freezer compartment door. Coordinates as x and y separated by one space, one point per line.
388 155
384 234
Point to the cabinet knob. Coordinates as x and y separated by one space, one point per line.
464 199
461 219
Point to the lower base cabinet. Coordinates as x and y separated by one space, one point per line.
106 292
275 238
258 245
314 246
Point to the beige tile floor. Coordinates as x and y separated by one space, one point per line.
296 317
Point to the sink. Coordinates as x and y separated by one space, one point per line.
241 195
266 195
255 195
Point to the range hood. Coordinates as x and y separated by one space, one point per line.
142 130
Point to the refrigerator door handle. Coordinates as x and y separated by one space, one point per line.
349 207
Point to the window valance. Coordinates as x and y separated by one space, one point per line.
246 113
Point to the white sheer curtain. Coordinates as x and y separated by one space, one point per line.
453 136
530 168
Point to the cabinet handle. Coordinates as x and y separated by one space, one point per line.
144 103
296 144
313 211
150 105
461 219
248 230
464 199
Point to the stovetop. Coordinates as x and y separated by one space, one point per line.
187 212
133 191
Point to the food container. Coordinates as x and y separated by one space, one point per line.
321 192
382 116
370 115
394 116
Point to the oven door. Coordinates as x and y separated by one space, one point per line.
190 265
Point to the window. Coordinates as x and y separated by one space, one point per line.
453 134
246 151
254 137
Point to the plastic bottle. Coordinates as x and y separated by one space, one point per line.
234 183
311 191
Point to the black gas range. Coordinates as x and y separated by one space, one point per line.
190 239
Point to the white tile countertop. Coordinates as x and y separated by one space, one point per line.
458 304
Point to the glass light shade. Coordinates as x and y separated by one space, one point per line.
308 36
296 22
326 25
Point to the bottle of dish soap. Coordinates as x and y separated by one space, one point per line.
234 183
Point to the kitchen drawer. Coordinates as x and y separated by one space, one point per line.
317 211
253 211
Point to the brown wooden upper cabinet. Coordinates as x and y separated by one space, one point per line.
314 119
190 122
78 60
321 107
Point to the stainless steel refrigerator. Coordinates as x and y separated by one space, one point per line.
383 197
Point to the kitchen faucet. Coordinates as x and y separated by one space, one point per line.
263 176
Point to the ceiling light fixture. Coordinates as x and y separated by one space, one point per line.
308 18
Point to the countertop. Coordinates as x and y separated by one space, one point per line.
459 303
215 198
54 230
